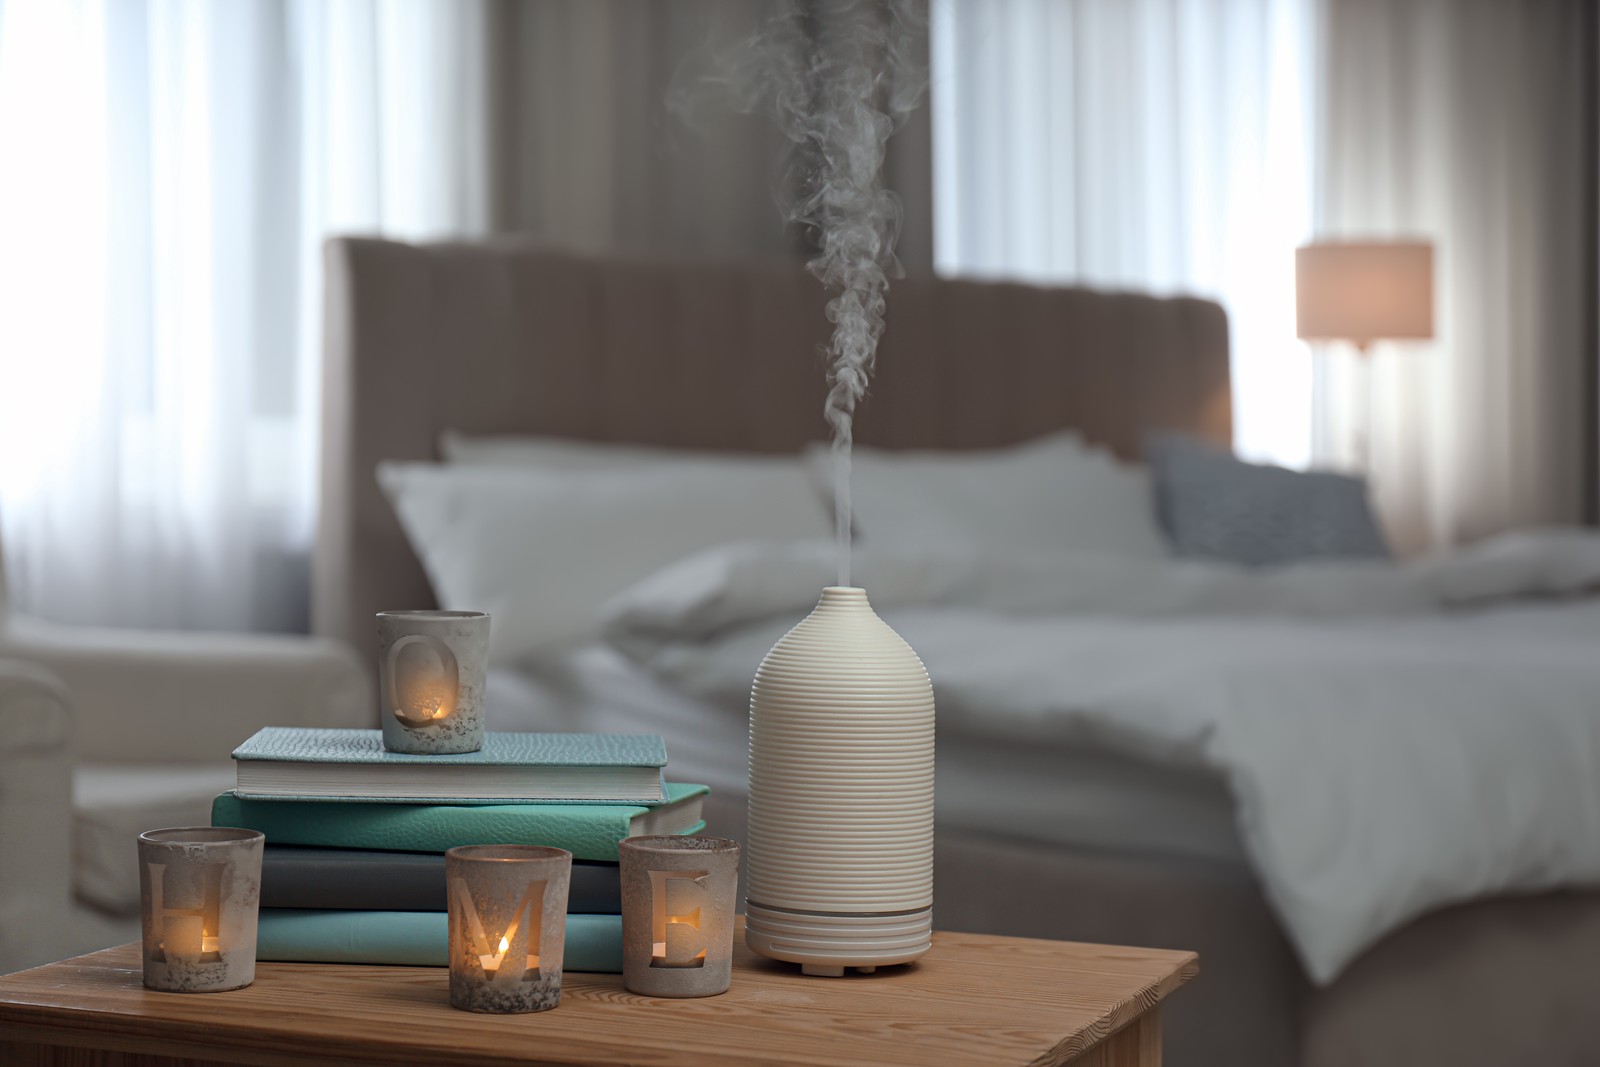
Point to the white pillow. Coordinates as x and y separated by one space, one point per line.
542 550
567 453
1049 495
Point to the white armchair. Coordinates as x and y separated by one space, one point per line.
105 733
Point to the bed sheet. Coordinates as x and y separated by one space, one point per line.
1071 796
1396 737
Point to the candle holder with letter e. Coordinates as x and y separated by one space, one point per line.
678 898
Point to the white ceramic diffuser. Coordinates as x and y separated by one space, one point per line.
840 846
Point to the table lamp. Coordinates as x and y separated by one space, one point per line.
1361 292
1364 291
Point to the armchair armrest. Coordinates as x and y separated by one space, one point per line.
35 814
163 697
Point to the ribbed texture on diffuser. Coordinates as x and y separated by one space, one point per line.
841 767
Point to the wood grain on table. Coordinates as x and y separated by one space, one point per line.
974 999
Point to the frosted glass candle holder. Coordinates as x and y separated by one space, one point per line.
431 667
508 926
678 897
199 890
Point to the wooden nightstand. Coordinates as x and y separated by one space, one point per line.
973 999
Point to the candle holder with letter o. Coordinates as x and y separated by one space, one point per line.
431 668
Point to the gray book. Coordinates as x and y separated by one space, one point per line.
293 876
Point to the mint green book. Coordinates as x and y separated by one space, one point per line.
588 831
412 938
352 765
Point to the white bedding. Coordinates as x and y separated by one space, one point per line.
1396 738
1080 798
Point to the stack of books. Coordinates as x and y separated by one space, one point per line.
353 870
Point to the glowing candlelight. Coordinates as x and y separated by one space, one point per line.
184 938
430 701
669 954
491 964
684 945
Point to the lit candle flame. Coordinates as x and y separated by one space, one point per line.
422 680
427 703
658 951
491 964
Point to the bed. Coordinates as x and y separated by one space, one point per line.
511 339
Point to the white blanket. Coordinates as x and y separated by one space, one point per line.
1397 737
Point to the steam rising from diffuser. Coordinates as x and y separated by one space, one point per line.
839 77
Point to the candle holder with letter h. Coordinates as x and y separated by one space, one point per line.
200 890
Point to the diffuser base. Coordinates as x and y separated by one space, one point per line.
826 943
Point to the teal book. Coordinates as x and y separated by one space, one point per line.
353 765
411 938
588 831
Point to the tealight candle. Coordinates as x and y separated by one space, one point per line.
431 667
508 926
199 888
678 896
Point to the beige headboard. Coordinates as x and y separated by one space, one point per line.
513 338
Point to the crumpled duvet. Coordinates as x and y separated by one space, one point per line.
1397 737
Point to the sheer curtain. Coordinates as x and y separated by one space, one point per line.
172 168
1471 123
1158 145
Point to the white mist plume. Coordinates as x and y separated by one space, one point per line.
839 77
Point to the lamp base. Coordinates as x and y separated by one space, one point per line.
825 943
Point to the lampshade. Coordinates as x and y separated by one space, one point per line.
1364 291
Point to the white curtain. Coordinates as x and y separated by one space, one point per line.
172 167
1157 145
1467 122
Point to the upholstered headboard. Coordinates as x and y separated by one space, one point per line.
513 338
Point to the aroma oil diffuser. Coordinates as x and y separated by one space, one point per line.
840 845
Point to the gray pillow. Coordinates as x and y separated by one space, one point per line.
1214 506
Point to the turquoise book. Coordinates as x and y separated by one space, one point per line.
411 938
353 766
588 831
